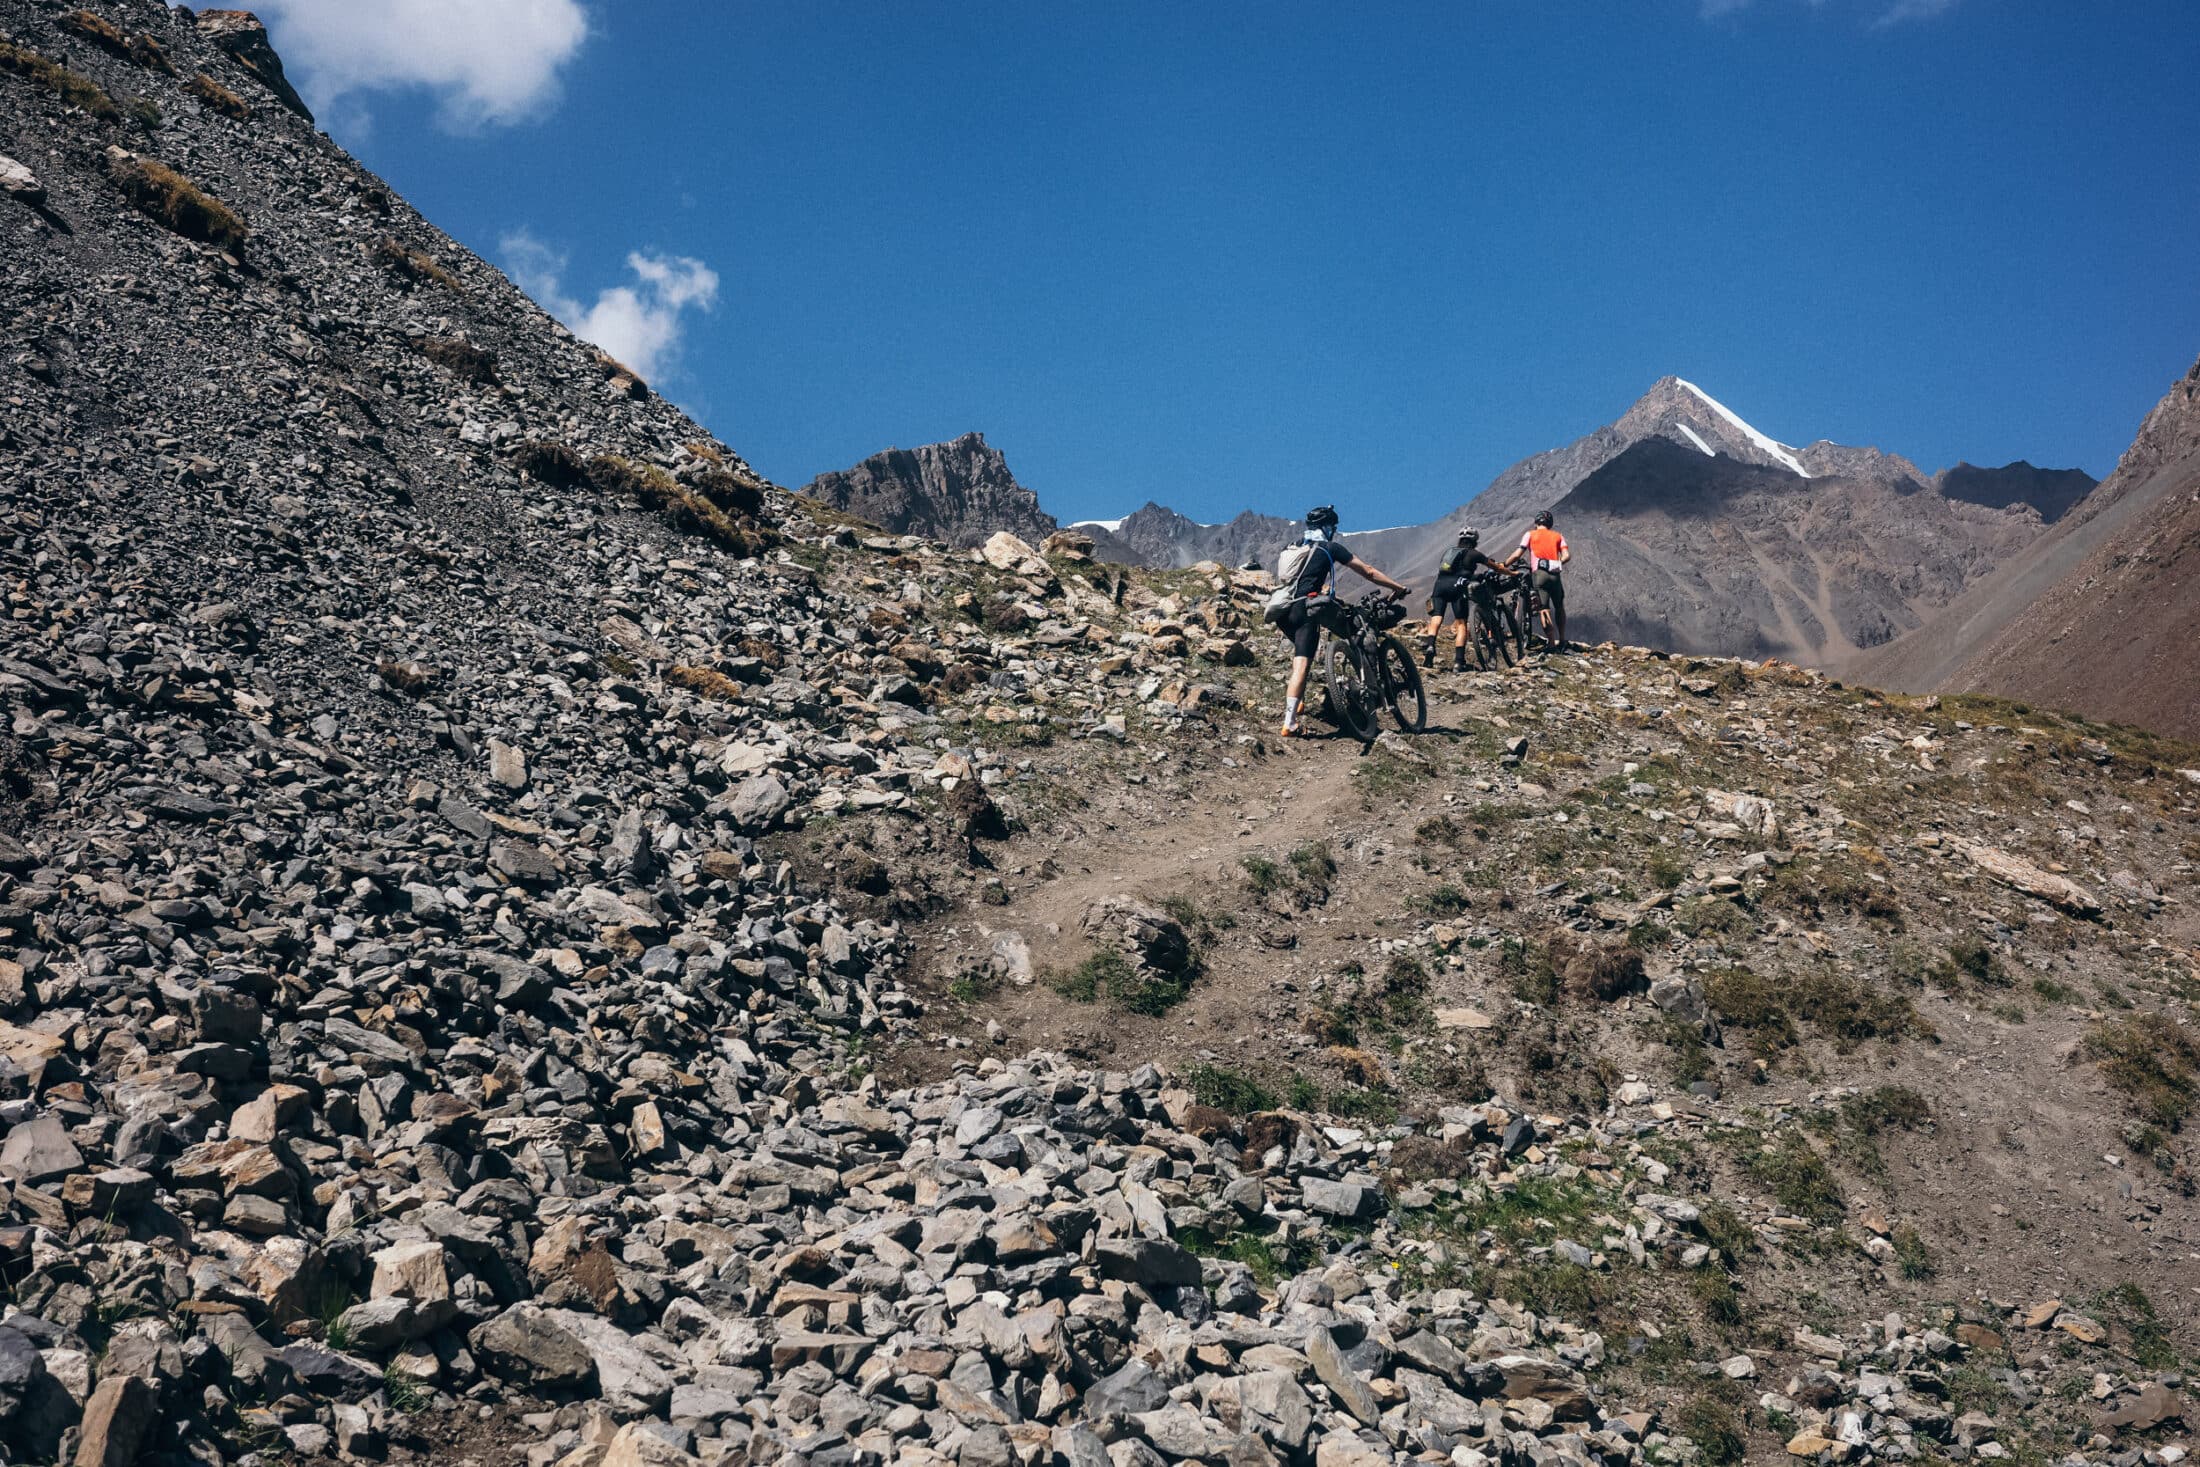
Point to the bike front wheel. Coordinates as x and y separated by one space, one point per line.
1401 682
1352 698
1492 647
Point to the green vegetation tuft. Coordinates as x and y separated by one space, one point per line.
1108 976
1799 1178
2153 1060
1229 1090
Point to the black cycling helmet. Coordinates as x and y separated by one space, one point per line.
1470 536
1322 517
1543 519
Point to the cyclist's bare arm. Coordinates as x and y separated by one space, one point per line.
1395 587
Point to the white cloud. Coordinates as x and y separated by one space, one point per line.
1906 10
486 61
640 324
1896 14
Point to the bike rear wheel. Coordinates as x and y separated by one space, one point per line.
1402 692
1352 696
1526 626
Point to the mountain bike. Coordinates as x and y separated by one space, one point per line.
1491 627
1528 611
1368 670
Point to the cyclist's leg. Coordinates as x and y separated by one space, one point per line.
1305 633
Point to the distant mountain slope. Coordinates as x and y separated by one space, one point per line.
1675 550
960 491
1153 535
2102 614
2050 491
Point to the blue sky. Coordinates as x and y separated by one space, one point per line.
1231 256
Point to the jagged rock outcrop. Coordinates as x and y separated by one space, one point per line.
960 491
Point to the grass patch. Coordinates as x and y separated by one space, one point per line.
169 198
1314 866
1712 917
1912 1259
2153 1060
1527 969
1366 1103
1974 960
1846 1010
1440 830
1666 869
1445 901
1271 1261
1799 1179
405 1392
1107 976
1230 1090
75 90
1304 874
1726 1231
974 987
1706 1420
2128 1307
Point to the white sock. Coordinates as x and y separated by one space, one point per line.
1290 713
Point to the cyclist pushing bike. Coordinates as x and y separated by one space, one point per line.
1546 553
1462 585
1305 601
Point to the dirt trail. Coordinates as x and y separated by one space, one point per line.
1185 838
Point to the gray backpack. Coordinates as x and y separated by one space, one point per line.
1289 567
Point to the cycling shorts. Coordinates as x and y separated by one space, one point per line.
1552 588
1303 627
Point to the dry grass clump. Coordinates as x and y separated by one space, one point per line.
178 203
461 358
709 683
734 496
105 34
692 510
409 677
151 55
219 97
621 376
550 463
100 31
415 265
77 91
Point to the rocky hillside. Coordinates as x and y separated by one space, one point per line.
521 942
960 492
2103 612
